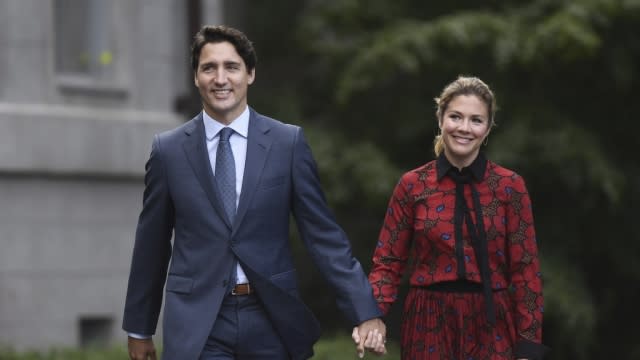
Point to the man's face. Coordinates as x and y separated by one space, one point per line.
223 80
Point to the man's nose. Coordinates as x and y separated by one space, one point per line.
220 76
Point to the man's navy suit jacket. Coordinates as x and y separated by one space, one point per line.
180 196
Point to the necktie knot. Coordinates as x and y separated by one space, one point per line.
225 133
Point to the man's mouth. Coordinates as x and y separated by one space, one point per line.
221 92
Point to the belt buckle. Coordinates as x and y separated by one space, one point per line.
233 290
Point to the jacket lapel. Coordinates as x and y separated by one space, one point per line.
195 148
258 146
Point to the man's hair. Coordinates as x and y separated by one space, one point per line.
222 33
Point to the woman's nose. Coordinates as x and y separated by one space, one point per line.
464 126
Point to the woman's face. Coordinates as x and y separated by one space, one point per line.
464 126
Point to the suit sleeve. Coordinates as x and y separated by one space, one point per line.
524 269
151 251
326 241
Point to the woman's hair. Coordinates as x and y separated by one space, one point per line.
463 85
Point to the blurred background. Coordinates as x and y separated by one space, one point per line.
84 85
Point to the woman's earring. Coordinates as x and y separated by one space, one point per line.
486 140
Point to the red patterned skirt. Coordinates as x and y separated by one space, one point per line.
453 326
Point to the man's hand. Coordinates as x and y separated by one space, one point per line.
370 335
141 349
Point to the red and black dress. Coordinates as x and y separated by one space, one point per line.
476 289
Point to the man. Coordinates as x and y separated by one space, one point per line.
225 184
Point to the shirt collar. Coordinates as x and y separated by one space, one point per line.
477 167
240 125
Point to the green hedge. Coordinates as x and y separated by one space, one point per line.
67 354
332 348
341 347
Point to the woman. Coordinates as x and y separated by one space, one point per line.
467 225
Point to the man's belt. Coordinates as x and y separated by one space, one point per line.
242 289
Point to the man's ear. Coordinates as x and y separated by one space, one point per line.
252 76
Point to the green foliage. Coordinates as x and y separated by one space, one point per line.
352 171
66 354
361 75
341 347
334 347
568 301
523 35
571 152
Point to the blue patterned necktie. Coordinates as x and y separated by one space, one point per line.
226 173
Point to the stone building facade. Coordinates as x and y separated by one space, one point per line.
84 85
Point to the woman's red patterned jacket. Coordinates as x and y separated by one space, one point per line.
419 225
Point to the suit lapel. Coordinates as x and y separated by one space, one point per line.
195 149
258 146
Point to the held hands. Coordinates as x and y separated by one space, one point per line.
370 335
141 349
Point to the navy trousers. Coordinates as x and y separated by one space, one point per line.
242 331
